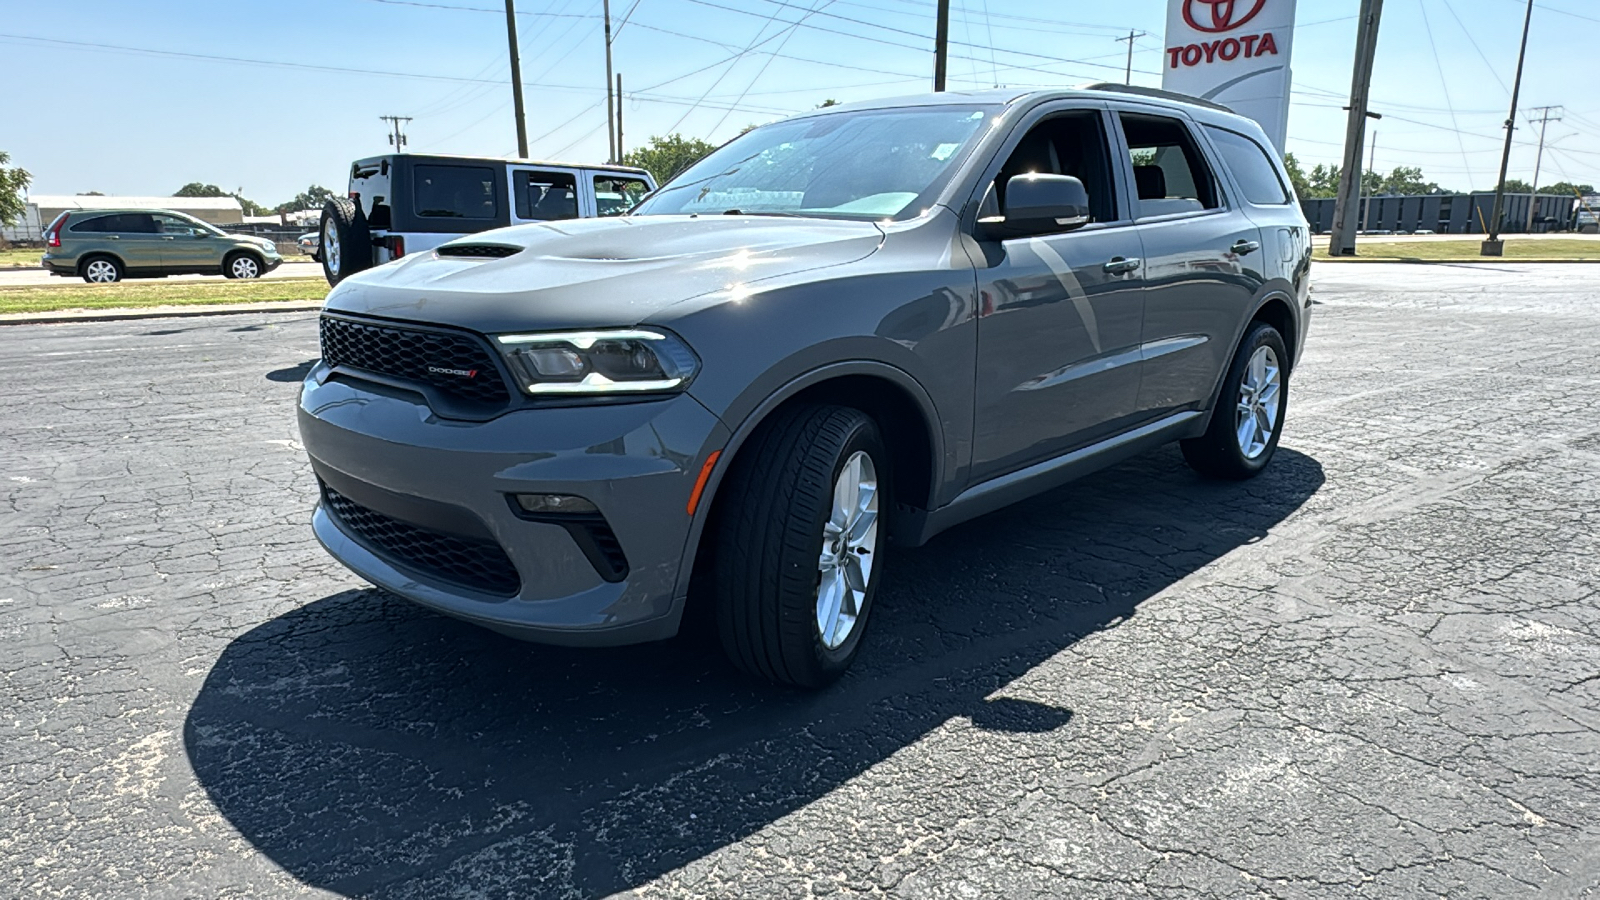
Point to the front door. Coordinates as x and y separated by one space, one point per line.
1202 263
187 246
1059 314
138 240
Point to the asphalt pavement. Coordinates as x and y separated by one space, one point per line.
292 267
1374 671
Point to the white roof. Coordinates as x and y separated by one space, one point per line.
73 201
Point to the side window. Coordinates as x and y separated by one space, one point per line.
175 225
96 225
546 196
1252 167
454 192
615 194
1169 171
1069 144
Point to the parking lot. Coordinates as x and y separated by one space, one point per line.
1372 672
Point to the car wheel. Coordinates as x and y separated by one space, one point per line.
101 270
1248 418
346 243
799 544
241 265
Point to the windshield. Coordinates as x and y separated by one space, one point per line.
873 164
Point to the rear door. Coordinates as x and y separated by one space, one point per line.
1202 259
547 194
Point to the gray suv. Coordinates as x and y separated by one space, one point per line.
837 333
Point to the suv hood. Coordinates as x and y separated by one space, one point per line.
598 273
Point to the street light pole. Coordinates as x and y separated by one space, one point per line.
1493 246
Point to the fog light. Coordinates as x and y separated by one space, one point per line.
555 504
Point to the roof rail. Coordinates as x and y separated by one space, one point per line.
1155 92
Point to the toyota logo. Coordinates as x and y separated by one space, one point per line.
1221 18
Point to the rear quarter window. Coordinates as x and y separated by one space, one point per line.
454 192
1252 167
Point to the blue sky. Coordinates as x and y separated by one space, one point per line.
94 115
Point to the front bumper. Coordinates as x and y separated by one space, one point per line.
637 462
272 262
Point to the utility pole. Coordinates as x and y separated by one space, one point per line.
611 113
1372 166
619 117
1493 246
1547 114
398 138
941 45
1132 36
516 79
1343 240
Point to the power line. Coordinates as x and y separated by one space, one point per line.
1444 83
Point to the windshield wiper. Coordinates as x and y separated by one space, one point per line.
758 212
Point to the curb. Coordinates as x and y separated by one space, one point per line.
157 312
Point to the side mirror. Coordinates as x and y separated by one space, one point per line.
1035 204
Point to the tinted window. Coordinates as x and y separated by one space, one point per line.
1168 169
616 194
545 196
120 223
1251 166
1073 144
454 192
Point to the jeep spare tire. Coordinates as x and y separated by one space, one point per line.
346 242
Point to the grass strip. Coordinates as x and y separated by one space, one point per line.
140 295
1457 251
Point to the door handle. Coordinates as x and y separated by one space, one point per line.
1121 265
167 238
1242 247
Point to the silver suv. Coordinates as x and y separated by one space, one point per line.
838 333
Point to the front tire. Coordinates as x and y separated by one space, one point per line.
799 544
242 265
101 270
1248 418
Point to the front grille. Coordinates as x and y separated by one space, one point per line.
480 565
485 251
441 360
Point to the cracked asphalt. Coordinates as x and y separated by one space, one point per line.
1372 672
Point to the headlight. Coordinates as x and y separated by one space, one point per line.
599 362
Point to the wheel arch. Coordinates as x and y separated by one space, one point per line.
1276 310
906 418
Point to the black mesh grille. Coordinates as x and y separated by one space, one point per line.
457 365
487 251
480 565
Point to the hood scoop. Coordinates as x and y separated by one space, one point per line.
477 251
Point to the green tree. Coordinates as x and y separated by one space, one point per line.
827 103
1324 181
200 189
1297 177
1407 180
664 157
1513 186
13 182
1567 188
311 198
91 194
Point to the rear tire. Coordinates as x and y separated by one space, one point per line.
101 270
346 241
242 265
799 544
1248 418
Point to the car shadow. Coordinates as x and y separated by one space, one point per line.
292 374
368 746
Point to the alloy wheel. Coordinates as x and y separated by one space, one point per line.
330 245
849 548
245 267
101 271
1257 414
